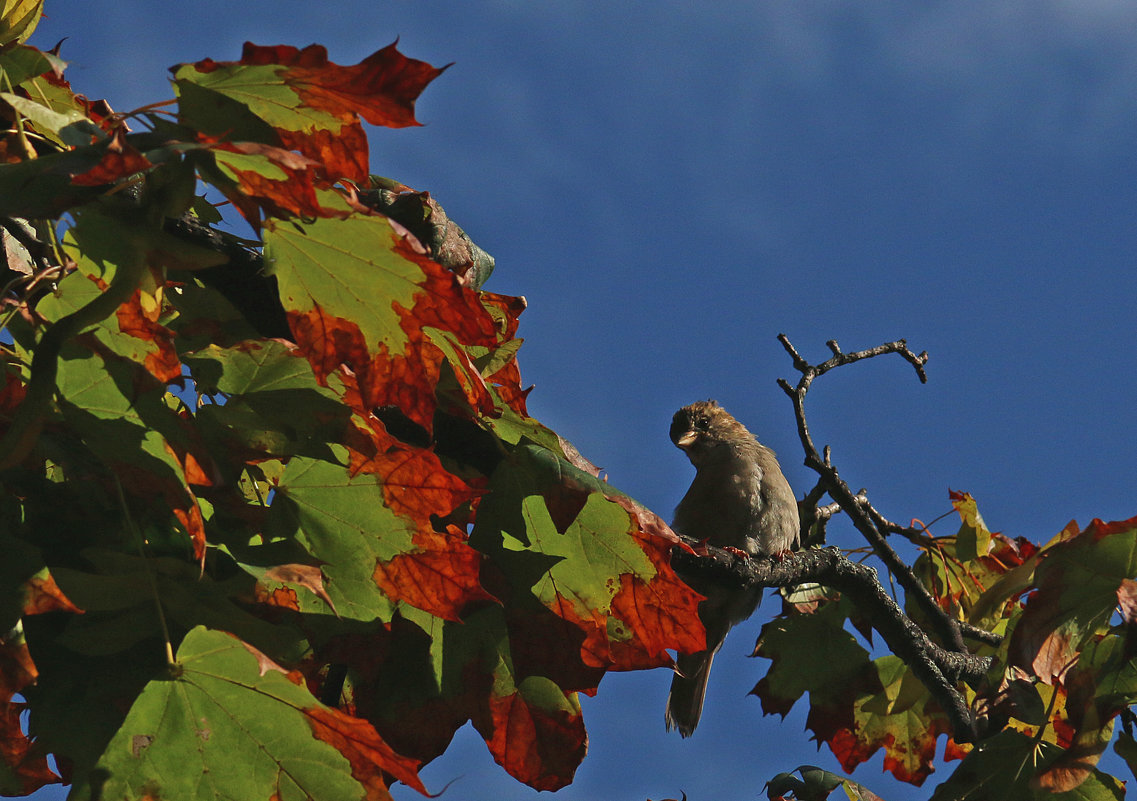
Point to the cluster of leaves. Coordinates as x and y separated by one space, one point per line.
1061 668
275 520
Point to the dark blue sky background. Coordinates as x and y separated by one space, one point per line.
672 184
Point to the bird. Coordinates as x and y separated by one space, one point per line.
738 500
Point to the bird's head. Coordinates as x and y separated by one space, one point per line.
701 429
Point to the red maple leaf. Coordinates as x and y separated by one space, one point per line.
382 88
370 757
42 594
133 320
258 191
22 758
440 576
342 154
118 161
540 747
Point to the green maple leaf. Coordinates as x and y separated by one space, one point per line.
230 724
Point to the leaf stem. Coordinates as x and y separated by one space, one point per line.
1041 730
148 569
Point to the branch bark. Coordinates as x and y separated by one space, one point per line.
939 669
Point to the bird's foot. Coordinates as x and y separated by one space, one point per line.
741 554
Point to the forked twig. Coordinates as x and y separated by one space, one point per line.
856 506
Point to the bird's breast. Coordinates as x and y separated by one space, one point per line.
723 506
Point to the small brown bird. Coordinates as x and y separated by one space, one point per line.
739 499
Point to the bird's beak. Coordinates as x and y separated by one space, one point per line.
686 440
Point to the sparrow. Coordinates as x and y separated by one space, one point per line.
738 500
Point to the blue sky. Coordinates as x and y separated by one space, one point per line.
671 186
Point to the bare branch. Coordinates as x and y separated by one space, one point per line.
855 506
973 632
939 669
840 358
815 519
917 536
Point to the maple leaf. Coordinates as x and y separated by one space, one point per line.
270 179
42 187
12 391
342 154
134 333
1078 580
291 576
536 733
981 589
32 591
583 557
815 784
417 680
977 575
357 295
249 732
274 405
25 765
42 594
1002 767
40 93
382 88
1084 730
374 552
298 100
19 19
901 718
139 322
119 159
109 390
420 681
440 576
834 672
974 538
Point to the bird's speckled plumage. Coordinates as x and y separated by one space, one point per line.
738 499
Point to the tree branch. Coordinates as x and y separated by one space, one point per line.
855 505
938 668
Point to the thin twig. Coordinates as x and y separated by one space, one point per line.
815 519
946 627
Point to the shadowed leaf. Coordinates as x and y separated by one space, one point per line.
248 733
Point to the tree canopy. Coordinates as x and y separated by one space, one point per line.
277 522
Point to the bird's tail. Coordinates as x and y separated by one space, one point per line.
688 689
